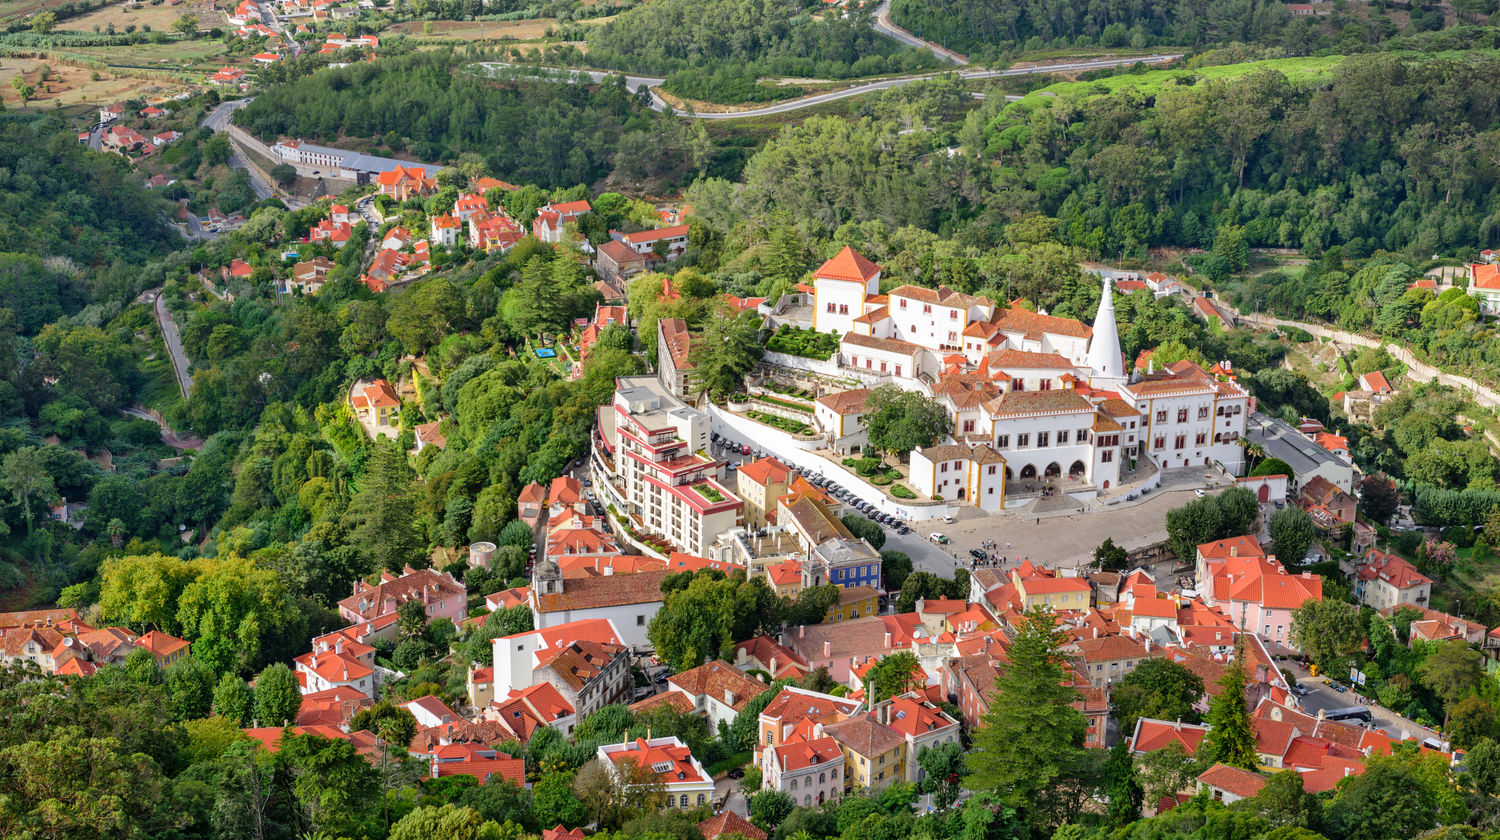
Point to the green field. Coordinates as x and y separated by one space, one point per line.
1153 82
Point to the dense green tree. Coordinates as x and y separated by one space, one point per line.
191 684
1292 532
1283 802
942 769
1451 671
894 674
1158 688
705 619
384 511
1387 802
1378 498
277 698
726 348
1326 630
1031 738
895 566
449 821
1230 739
768 808
391 722
1122 785
900 421
233 700
866 529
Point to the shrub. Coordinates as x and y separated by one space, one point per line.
900 492
880 480
867 465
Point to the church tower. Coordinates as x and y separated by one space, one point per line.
1105 361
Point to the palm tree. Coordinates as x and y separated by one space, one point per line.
1253 453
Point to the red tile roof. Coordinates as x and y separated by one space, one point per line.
848 265
729 823
1233 780
721 681
766 471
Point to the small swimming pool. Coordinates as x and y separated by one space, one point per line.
546 353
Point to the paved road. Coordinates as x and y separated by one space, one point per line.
1323 698
173 341
890 30
635 83
168 436
217 120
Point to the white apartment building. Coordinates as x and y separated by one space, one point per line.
654 466
1189 418
678 773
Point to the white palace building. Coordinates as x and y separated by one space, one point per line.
1033 396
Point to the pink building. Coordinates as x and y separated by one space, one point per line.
440 594
1253 590
808 767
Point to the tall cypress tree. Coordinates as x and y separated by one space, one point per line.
1031 740
1230 738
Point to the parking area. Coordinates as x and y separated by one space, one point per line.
1058 541
1321 697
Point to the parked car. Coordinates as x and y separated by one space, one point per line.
948 518
744 449
977 554
1199 493
737 773
902 529
1299 689
938 538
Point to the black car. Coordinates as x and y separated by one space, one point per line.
902 530
870 514
737 773
977 554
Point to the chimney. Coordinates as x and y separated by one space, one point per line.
801 631
1096 632
827 648
729 698
772 669
887 640
1234 551
1148 644
921 608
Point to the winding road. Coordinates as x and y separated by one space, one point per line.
217 121
635 83
890 30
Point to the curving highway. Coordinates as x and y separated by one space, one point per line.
635 83
890 30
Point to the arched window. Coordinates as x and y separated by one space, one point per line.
822 777
807 799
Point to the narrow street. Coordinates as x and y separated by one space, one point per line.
172 339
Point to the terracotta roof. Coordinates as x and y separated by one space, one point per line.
980 454
846 403
912 717
611 591
1110 649
1037 402
682 769
1485 275
729 823
679 702
674 333
721 681
1246 546
864 736
1009 358
1233 780
848 265
795 756
1027 322
1392 570
1152 735
160 644
560 833
942 296
766 471
623 254
886 345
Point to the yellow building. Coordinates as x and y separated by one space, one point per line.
785 578
760 484
874 754
854 602
1059 593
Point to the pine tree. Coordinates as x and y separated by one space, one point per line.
1230 738
1031 738
385 510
